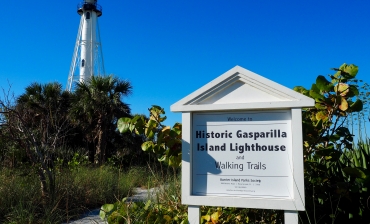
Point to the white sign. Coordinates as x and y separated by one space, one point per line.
244 154
242 145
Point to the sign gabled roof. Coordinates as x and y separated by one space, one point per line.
240 88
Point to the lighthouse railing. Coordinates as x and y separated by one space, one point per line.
82 5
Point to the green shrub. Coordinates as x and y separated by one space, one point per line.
333 179
166 207
76 191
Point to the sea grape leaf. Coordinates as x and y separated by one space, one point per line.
317 96
123 124
167 218
105 210
206 217
356 106
166 128
134 119
353 91
342 131
162 119
341 88
174 133
314 88
321 115
152 124
215 216
149 133
301 89
163 158
343 104
177 126
320 106
356 172
147 146
323 84
158 149
175 161
351 70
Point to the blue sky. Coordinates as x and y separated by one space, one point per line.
168 49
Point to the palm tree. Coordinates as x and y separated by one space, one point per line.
38 124
96 106
45 110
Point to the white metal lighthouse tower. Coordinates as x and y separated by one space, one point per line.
87 59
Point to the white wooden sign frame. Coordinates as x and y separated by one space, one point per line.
229 93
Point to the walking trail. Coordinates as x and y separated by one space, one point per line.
93 216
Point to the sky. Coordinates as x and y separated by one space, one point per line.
169 49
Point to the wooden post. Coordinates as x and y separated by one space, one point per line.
291 217
193 214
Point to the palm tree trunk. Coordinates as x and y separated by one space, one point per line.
101 148
102 144
98 148
98 158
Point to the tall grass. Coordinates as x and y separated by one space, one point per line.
76 191
18 192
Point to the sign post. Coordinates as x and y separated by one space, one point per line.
242 145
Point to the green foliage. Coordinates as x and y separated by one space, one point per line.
228 215
333 181
96 105
35 125
76 191
142 212
162 140
46 122
166 207
148 212
77 161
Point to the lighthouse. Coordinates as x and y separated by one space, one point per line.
87 59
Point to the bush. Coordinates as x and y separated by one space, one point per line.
76 191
